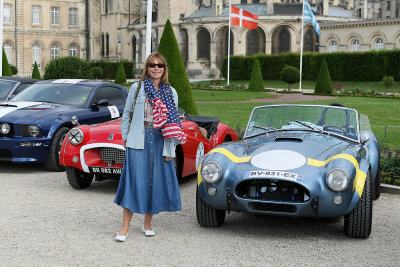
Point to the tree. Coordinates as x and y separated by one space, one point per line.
35 72
120 77
177 75
6 67
14 69
67 68
290 75
256 80
388 81
97 72
323 85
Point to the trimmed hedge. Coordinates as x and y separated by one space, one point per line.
256 81
67 68
110 68
324 82
343 66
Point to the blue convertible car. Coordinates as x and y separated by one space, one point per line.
295 160
34 123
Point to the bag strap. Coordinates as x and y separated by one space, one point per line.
134 102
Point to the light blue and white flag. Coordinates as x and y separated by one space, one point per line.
309 16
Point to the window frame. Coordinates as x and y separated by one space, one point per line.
36 12
54 51
7 8
73 15
36 54
333 46
72 48
55 16
9 52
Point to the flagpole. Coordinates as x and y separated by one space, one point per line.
148 27
1 35
229 42
301 46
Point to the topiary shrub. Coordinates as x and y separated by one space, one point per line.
6 71
256 81
120 77
323 86
97 72
388 81
67 68
14 70
35 72
290 75
177 75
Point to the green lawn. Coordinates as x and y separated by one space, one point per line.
347 85
382 112
210 95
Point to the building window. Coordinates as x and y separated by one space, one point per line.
73 17
107 44
203 44
55 15
379 44
36 55
73 51
379 13
110 6
256 1
355 46
36 14
309 40
284 41
102 45
7 13
243 1
54 51
333 47
359 13
388 5
8 51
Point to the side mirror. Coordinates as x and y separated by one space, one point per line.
101 102
364 137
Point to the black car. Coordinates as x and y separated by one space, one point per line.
11 86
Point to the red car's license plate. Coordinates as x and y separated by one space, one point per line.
105 170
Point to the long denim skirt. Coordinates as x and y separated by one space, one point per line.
148 183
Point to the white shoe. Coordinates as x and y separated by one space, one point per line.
148 232
121 238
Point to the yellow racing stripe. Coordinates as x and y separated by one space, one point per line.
230 155
199 177
359 180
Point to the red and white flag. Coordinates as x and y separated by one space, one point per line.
243 18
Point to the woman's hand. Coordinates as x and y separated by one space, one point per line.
125 144
167 158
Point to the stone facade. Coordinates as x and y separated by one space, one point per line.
116 29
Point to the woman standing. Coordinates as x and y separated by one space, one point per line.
150 129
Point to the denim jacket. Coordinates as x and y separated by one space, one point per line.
134 133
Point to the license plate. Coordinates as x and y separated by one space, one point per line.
275 174
105 170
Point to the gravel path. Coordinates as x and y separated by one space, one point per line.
46 222
281 98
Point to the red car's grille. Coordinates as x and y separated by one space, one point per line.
112 155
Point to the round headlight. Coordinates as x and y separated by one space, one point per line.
338 180
5 128
211 171
33 130
75 136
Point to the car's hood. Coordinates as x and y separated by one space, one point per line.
310 145
106 131
23 111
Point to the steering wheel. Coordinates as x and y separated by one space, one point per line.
327 127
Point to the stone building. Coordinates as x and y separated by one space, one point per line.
40 30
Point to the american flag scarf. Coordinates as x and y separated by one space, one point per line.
165 115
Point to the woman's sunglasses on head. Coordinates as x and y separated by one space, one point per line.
159 65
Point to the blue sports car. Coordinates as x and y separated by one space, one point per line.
295 160
34 123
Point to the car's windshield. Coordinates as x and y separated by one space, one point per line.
5 88
330 119
67 94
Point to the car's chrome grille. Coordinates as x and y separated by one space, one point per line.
112 155
272 190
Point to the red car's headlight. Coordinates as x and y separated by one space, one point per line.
75 136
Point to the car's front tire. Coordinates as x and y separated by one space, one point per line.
77 178
208 216
358 223
53 160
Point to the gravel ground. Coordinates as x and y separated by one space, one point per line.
46 222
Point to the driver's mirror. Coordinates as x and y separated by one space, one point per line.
101 102
364 137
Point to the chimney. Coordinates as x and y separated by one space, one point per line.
270 7
216 7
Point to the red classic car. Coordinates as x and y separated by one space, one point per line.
97 150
